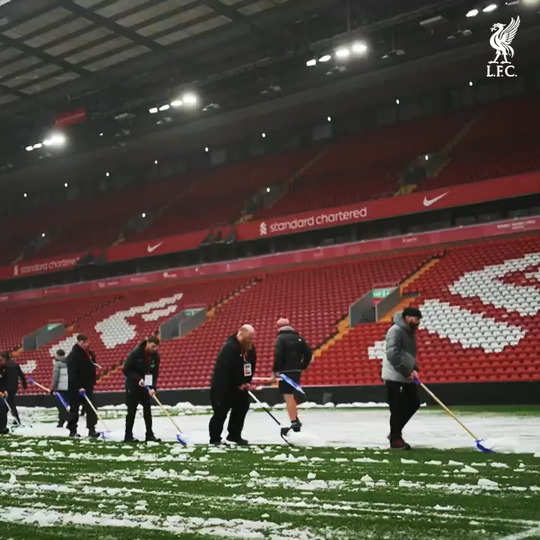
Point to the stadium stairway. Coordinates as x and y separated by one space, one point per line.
114 374
313 161
407 300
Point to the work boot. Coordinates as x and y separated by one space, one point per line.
285 431
93 434
239 441
296 425
399 444
152 438
74 435
130 439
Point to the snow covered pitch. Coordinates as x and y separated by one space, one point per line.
345 486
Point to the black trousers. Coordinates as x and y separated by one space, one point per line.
11 402
63 414
3 415
235 401
404 401
75 402
133 398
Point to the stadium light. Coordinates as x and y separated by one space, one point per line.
143 215
471 83
42 235
263 135
156 161
190 99
177 103
397 101
329 118
165 107
267 190
37 146
325 58
66 184
311 63
359 47
528 2
107 174
101 134
489 8
153 110
55 139
29 148
472 13
207 149
426 157
25 195
342 53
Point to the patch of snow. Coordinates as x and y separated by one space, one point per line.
433 462
469 469
487 484
497 465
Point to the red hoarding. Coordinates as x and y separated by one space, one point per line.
424 201
160 246
31 268
71 117
286 259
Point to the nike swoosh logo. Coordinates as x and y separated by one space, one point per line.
429 202
151 249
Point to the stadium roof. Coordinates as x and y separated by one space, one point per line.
118 58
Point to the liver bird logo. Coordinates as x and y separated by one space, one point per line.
502 39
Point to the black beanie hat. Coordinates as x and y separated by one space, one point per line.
412 312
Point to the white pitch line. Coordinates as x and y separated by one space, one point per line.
524 534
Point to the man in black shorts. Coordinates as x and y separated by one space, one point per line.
292 356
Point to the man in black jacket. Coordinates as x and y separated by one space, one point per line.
233 372
3 395
292 356
81 378
13 374
141 370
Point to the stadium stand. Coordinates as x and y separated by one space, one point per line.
494 339
21 319
259 300
480 304
360 168
127 318
503 141
219 195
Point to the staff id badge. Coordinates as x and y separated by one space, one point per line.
148 380
247 370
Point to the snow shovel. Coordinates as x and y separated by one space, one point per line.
179 434
478 441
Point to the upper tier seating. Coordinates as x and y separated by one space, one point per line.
362 167
219 195
503 141
84 224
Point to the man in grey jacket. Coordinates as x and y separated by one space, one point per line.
399 371
60 384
